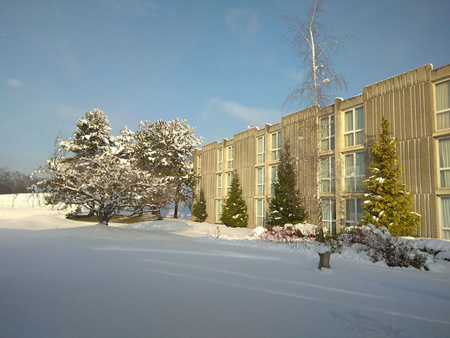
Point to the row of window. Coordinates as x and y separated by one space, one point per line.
353 134
442 91
354 164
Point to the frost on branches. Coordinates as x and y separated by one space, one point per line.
166 148
388 203
103 173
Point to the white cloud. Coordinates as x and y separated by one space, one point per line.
15 83
254 116
243 23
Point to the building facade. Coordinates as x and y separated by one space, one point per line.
417 104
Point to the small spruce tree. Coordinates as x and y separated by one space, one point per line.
388 203
234 212
285 206
199 208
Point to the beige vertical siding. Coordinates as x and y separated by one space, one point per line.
406 100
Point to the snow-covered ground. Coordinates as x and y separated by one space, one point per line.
175 278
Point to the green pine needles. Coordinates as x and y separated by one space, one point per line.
199 208
285 206
234 211
388 203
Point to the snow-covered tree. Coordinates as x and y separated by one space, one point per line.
92 135
101 178
388 203
285 206
199 207
234 211
166 148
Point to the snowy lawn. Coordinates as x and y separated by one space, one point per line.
174 278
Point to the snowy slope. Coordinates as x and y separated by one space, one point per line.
174 278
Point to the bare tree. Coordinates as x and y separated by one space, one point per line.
312 44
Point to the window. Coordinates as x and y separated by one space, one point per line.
353 211
198 186
276 146
327 182
354 127
327 133
259 212
218 210
444 162
260 181
230 155
228 181
443 105
329 215
354 172
260 154
219 159
219 185
273 178
445 216
199 164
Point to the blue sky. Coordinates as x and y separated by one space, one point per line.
221 65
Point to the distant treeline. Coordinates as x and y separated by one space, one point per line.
14 182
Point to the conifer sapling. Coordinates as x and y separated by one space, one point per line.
199 208
388 203
285 206
234 212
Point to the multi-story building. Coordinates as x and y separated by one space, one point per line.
417 104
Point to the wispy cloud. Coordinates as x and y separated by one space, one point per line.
15 83
63 111
243 23
255 116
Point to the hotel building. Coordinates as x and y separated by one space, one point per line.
417 105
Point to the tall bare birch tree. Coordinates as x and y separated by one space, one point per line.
314 46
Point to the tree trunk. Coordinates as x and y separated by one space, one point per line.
176 202
175 211
104 216
158 215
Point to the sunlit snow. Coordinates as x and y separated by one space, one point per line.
176 278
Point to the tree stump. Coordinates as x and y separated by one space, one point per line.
324 261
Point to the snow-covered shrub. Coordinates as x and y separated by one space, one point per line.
281 234
286 234
308 230
380 245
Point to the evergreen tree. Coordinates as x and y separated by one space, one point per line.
166 148
97 171
234 212
199 208
91 138
285 206
388 204
92 135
